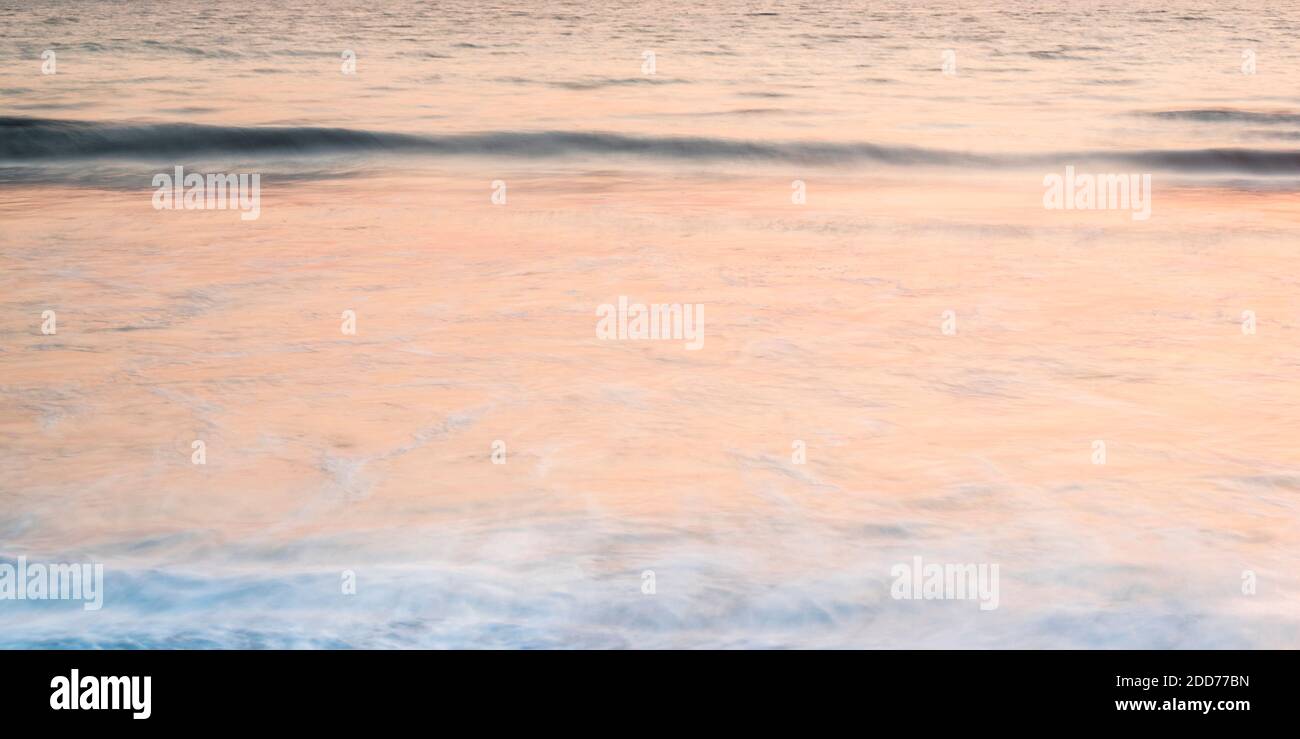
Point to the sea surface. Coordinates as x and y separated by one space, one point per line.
905 353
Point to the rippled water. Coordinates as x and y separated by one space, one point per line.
372 453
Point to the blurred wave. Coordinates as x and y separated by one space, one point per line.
29 139
707 596
1226 115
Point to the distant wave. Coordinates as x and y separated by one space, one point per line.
1227 115
25 139
37 139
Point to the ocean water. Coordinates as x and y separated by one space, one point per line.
916 359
